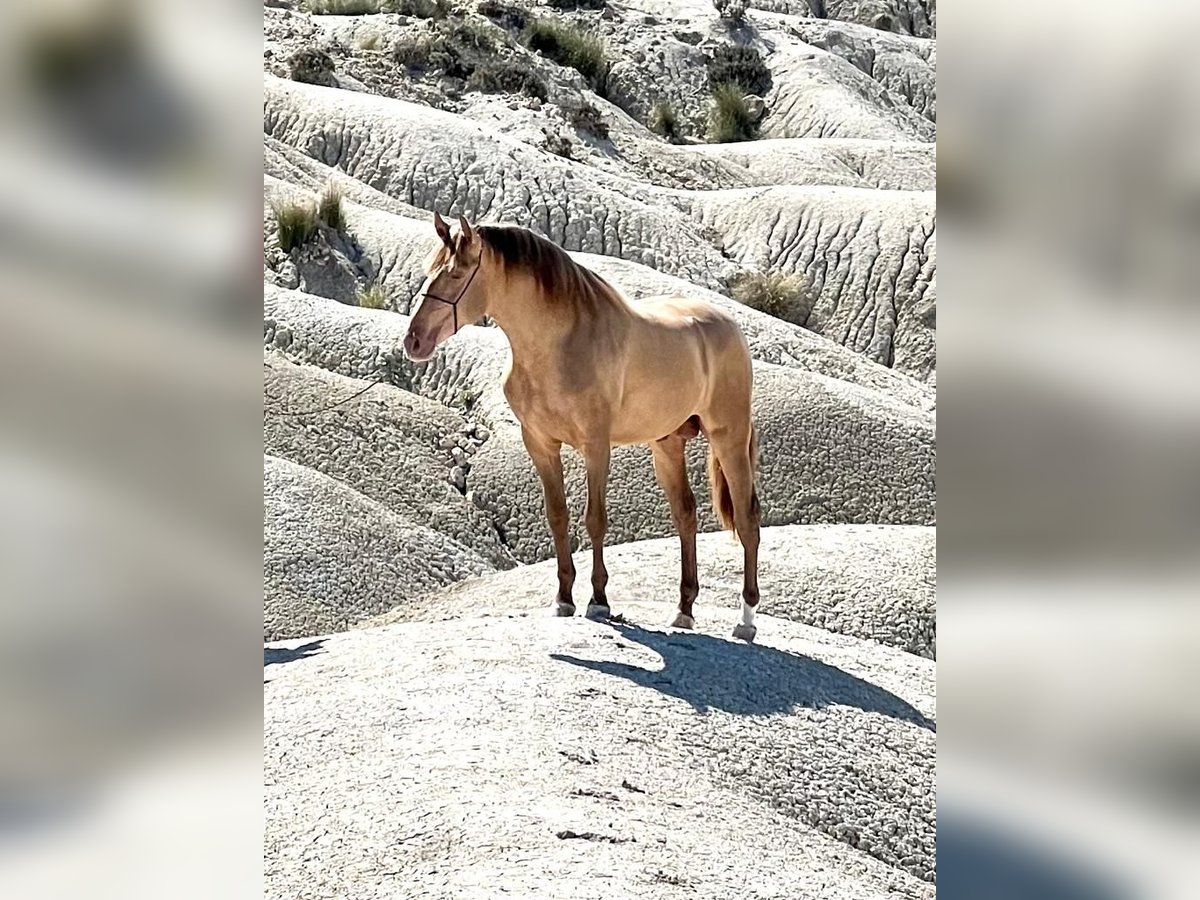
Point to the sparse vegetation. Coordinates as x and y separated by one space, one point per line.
413 52
369 41
732 10
665 122
459 49
512 75
418 9
296 222
586 118
344 7
557 144
372 296
774 293
511 16
469 36
312 66
329 207
740 65
729 117
465 398
569 46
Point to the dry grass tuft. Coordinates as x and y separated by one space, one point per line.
296 223
774 293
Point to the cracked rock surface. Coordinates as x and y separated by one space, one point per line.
333 556
486 757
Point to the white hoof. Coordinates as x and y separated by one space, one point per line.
598 612
684 621
564 610
745 633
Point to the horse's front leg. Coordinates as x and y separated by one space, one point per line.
547 459
596 458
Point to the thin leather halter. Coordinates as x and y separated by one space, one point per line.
453 304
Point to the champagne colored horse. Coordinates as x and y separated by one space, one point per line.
592 370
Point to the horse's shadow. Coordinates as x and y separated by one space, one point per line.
273 656
746 679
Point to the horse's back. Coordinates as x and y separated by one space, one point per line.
680 353
697 320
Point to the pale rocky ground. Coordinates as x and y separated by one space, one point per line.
532 757
430 730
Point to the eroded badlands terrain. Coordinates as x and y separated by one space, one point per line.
430 731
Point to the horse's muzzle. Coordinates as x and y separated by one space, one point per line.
418 348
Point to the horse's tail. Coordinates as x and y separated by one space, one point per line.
719 485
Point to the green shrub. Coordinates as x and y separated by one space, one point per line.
664 121
774 293
501 75
729 117
569 46
296 222
512 16
311 66
372 297
329 207
740 65
344 7
577 4
586 117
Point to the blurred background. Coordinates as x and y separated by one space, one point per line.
1069 450
130 447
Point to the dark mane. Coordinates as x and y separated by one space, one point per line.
559 277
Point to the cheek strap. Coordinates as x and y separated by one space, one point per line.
453 304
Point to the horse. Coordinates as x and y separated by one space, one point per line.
593 370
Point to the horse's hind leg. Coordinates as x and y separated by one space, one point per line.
596 456
670 467
733 448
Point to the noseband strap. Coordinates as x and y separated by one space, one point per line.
453 304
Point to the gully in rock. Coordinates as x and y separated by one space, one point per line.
591 369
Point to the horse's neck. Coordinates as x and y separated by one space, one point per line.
533 323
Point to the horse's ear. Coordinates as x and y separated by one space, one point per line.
468 232
443 230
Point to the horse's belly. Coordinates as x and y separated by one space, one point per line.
647 418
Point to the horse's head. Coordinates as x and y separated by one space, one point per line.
453 294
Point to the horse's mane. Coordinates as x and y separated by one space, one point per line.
558 276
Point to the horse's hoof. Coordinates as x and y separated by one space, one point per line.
564 609
745 633
683 620
599 612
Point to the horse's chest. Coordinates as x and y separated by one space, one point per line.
552 413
